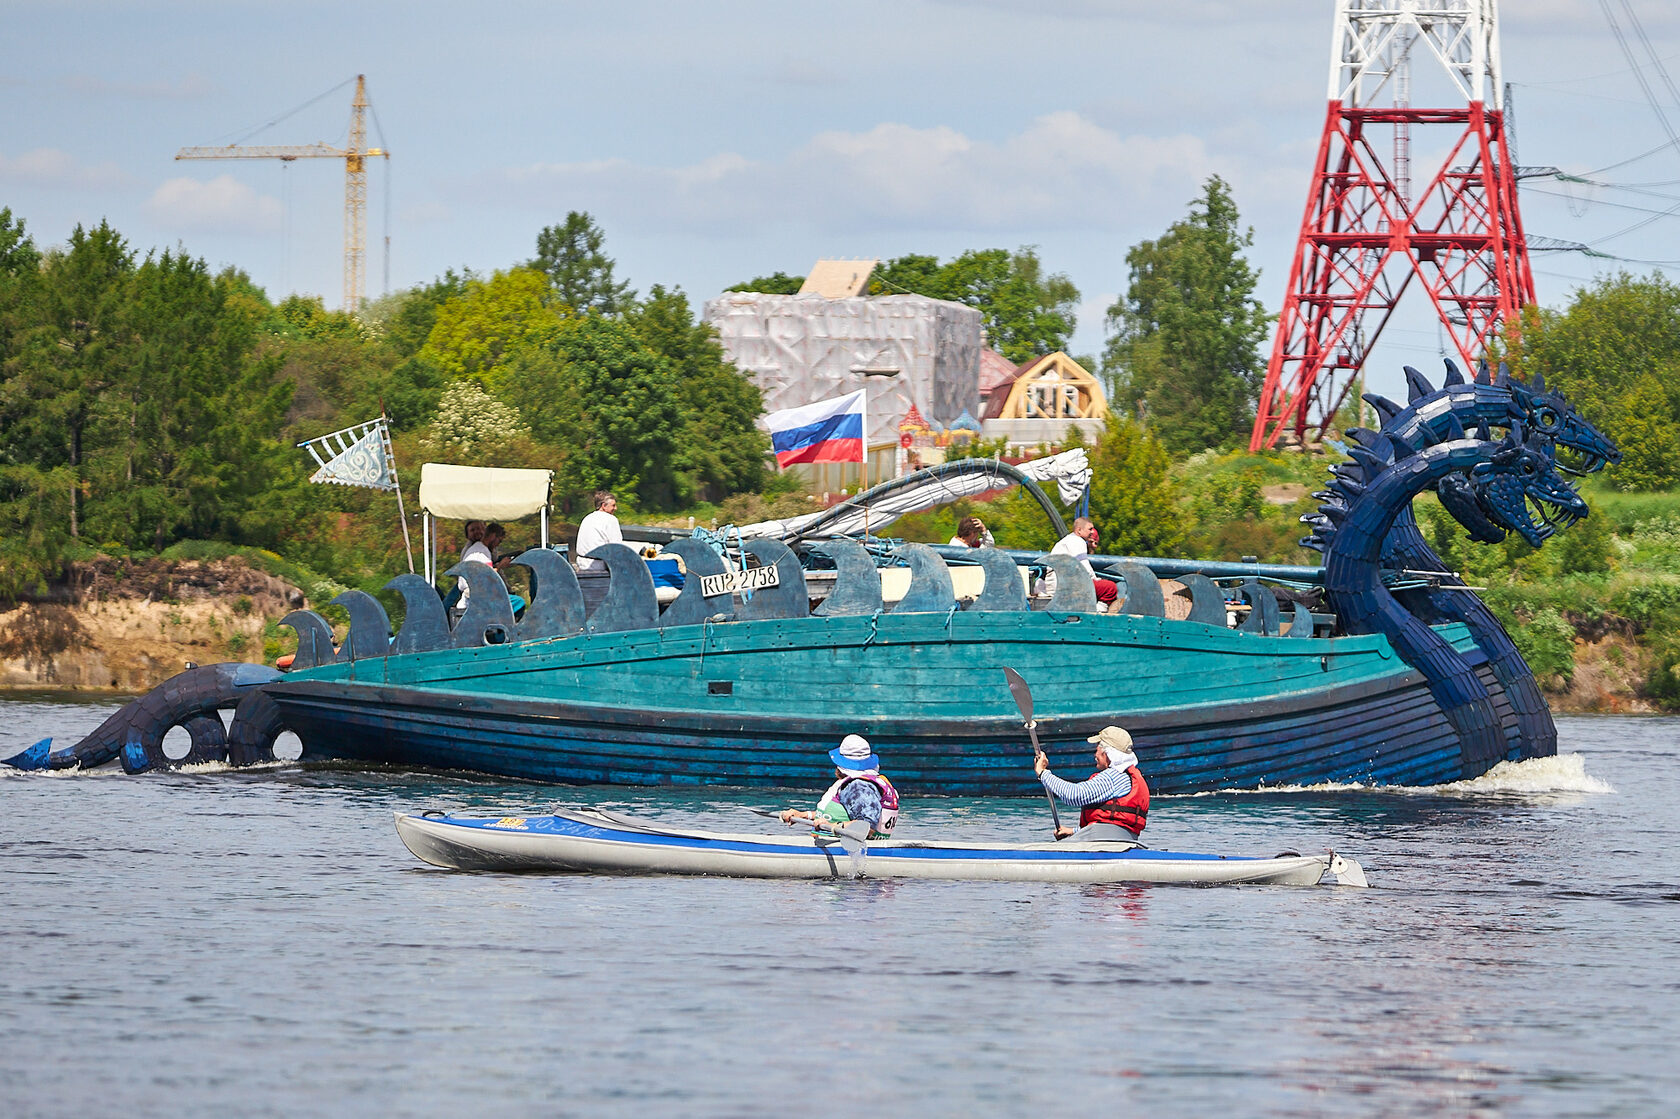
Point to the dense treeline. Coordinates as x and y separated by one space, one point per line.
145 401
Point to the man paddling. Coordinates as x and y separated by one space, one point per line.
859 791
1113 801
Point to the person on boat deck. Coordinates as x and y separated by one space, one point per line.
599 527
1113 802
859 791
971 533
1079 543
482 540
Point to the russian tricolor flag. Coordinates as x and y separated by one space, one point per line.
826 431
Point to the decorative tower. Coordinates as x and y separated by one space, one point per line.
1365 238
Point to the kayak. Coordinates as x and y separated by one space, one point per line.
593 840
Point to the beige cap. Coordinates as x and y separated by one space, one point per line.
1113 738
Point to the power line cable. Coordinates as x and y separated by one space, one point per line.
1651 52
1650 96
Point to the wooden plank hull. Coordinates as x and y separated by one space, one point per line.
757 704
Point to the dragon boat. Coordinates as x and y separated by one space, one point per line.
592 841
1399 676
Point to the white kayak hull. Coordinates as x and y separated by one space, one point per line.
588 841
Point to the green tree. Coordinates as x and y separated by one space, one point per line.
1184 346
1615 350
579 271
408 322
610 405
721 449
1025 312
189 408
777 283
1133 500
20 279
75 350
34 527
475 331
1645 431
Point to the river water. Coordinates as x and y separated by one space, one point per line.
260 943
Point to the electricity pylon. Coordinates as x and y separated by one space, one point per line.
1364 238
355 156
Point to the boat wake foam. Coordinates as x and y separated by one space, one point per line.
1564 773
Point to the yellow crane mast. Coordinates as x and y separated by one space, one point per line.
355 157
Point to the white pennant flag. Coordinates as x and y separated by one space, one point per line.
355 456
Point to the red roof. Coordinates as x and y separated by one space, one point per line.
995 370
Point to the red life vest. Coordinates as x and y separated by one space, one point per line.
1130 811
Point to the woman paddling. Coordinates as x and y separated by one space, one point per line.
858 793
1113 801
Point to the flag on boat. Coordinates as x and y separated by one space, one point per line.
825 431
355 456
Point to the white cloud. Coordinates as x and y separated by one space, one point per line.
54 167
222 205
1061 171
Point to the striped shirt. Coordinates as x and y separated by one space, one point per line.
1108 783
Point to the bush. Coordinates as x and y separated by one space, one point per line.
1547 643
1584 548
1645 603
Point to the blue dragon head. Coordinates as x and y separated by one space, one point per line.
1581 447
1493 401
1518 489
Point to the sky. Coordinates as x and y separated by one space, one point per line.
718 142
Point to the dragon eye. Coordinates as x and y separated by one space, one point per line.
1548 418
1528 468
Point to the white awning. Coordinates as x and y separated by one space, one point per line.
484 493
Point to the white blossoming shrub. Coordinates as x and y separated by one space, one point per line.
469 419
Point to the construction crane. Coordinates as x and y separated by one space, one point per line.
355 156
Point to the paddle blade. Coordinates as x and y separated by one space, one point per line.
1347 872
1023 694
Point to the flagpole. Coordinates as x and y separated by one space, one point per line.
865 471
402 514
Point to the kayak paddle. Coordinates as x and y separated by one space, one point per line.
1023 700
853 835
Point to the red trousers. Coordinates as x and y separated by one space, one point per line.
1107 591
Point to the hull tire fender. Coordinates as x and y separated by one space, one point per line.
256 723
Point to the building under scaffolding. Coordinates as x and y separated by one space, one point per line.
904 350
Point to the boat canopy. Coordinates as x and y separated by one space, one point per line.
482 493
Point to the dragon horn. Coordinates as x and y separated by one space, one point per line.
1370 462
1385 407
1417 385
1483 377
1504 377
1455 430
1539 382
1453 377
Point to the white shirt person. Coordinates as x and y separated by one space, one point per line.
598 528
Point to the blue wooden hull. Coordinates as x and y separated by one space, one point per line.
758 704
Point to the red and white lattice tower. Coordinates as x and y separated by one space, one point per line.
1364 239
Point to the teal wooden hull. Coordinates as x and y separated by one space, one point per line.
759 702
